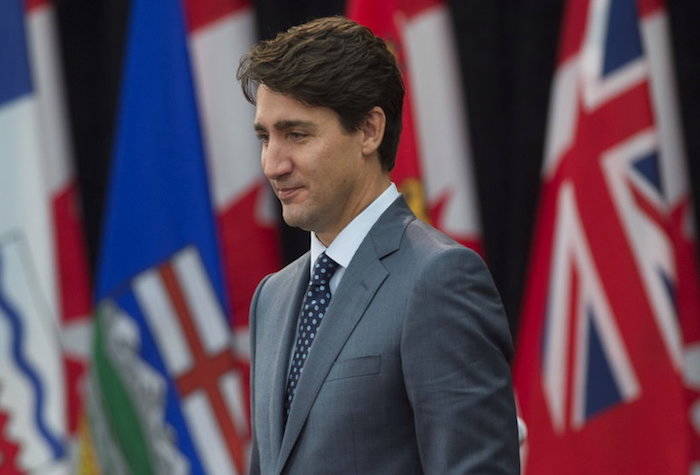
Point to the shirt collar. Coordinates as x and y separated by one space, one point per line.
346 243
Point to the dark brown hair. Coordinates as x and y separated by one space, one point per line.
331 62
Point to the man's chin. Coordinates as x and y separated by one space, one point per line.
296 220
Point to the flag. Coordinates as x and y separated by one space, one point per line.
70 264
433 163
44 296
33 388
219 34
601 348
165 388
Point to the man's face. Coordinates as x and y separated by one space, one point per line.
313 164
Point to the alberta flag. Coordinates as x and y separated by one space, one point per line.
165 389
607 365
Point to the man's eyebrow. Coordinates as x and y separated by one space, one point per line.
289 124
283 125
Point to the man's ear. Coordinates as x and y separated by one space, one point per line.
372 128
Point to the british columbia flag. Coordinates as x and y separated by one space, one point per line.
44 296
609 315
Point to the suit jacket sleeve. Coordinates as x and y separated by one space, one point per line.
455 347
254 468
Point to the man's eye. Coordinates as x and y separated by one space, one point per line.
297 135
263 138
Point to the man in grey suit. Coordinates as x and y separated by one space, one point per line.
384 349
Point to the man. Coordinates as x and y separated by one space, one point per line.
383 350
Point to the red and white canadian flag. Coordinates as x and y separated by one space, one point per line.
220 32
433 163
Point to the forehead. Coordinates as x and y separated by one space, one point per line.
272 107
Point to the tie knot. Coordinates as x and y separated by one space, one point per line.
324 268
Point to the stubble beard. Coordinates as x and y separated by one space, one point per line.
297 218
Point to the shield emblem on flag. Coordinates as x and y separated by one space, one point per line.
165 339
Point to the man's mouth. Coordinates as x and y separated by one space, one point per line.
288 192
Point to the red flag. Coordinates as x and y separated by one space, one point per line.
609 297
433 164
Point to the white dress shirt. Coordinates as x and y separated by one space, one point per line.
345 244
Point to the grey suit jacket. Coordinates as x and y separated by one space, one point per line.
408 372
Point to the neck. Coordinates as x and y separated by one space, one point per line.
363 199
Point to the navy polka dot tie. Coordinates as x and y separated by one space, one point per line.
313 308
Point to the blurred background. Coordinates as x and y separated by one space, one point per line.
559 139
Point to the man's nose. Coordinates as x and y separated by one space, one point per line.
276 161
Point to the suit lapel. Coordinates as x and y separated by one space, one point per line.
361 280
298 284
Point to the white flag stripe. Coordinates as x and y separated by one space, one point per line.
241 342
158 310
203 426
557 324
584 327
48 84
232 390
440 117
202 302
227 118
563 115
656 37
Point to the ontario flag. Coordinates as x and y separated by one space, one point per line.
433 162
611 309
167 391
44 296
